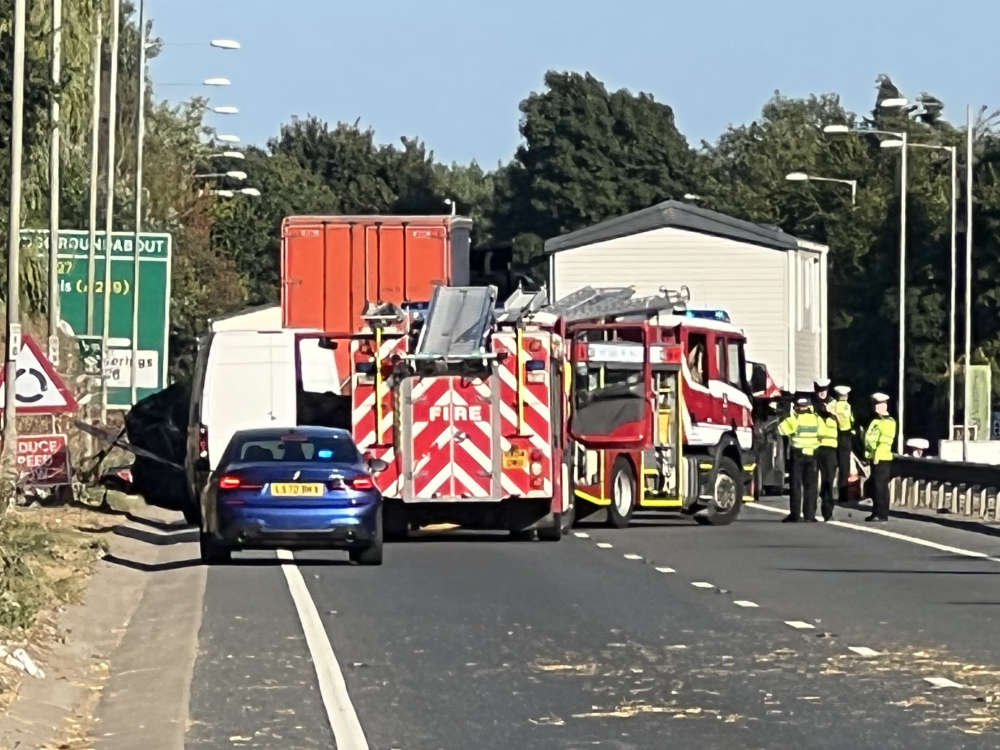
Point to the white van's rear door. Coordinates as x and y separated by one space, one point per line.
249 382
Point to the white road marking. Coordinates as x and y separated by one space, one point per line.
745 603
604 545
347 731
868 653
800 625
665 570
702 585
632 556
942 682
581 535
896 535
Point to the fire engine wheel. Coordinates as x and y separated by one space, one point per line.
623 494
727 496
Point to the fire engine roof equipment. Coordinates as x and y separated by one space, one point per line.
458 319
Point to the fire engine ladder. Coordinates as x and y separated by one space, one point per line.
458 321
615 302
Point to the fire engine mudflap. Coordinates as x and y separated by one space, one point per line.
474 421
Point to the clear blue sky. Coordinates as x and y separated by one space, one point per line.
453 73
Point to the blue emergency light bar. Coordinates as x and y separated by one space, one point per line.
720 315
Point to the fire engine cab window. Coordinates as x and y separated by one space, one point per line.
736 368
697 360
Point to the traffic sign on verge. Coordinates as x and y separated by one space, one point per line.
38 389
43 460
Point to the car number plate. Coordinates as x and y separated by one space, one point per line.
296 489
515 459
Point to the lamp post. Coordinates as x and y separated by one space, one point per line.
968 283
897 140
233 174
109 213
54 183
803 177
95 138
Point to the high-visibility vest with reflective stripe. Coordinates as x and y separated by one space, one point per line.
803 431
828 430
845 415
879 438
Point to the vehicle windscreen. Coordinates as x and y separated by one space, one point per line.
301 449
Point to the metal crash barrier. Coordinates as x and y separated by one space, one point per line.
963 489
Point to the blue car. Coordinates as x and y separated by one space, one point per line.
301 487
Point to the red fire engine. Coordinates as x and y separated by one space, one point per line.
514 417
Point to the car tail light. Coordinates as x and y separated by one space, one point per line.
362 483
202 441
233 482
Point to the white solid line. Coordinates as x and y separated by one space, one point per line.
868 653
581 535
347 731
665 570
604 545
800 625
632 556
702 585
942 682
745 603
896 535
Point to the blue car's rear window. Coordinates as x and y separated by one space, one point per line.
308 450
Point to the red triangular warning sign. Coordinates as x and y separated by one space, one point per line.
39 390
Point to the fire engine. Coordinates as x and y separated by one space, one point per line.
520 415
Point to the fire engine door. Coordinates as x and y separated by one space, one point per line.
449 439
611 393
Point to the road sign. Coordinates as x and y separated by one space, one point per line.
154 300
43 460
39 389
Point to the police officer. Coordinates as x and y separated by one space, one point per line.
845 431
801 427
878 451
826 452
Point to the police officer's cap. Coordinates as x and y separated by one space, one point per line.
822 384
802 402
880 398
842 390
920 444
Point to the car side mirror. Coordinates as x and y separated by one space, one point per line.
376 465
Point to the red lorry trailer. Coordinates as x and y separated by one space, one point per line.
332 266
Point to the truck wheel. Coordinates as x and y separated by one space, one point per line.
212 552
623 494
727 496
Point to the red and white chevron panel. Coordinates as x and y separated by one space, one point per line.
376 443
452 439
535 432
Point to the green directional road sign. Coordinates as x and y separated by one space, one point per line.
154 303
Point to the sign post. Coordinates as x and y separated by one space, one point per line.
152 304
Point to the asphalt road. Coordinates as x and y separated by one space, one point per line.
473 641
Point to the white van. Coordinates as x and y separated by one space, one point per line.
247 379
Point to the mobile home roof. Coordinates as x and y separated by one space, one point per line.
678 215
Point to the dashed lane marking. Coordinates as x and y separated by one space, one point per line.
632 556
604 545
897 536
868 653
800 625
581 535
702 585
745 603
347 731
942 682
664 569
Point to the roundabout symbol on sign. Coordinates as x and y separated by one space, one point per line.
43 385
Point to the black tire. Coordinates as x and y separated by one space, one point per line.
371 554
623 494
727 496
213 552
758 483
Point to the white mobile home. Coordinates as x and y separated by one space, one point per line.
773 285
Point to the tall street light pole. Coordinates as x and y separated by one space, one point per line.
897 140
109 215
54 184
803 177
968 283
140 127
14 241
95 144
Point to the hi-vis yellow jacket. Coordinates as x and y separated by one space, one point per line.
878 439
802 428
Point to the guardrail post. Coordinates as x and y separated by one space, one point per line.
939 503
894 485
918 485
996 506
982 502
953 499
925 501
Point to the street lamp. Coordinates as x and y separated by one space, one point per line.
233 174
225 110
229 155
803 177
227 138
249 192
225 44
897 139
